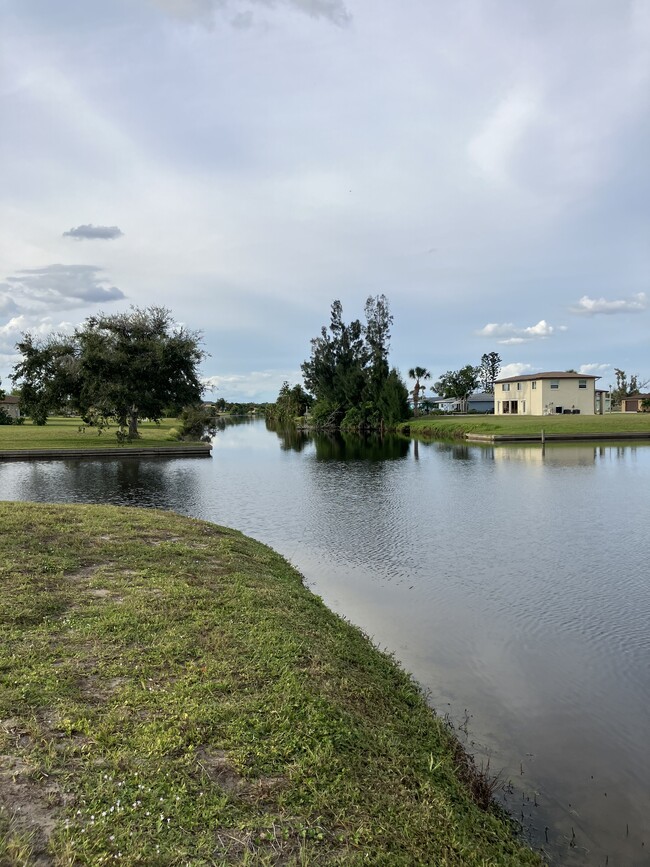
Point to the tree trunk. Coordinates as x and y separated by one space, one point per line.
133 423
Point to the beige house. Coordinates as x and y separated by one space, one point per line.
11 406
549 393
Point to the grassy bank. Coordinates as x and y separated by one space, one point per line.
70 433
170 693
456 427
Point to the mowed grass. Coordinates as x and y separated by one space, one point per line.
71 433
171 694
458 426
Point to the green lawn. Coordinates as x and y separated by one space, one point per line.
458 426
171 694
67 433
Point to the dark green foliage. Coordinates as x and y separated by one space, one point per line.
198 422
489 370
126 366
292 403
458 384
348 371
47 374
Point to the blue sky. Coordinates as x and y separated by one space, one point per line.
482 163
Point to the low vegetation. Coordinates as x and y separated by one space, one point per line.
455 427
170 693
73 434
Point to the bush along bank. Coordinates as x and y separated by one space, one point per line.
171 693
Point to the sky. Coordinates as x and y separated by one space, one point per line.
482 163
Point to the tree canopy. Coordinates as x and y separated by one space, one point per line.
125 366
348 371
488 370
458 384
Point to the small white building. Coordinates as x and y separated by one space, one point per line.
551 393
11 405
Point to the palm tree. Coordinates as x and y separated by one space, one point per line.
418 373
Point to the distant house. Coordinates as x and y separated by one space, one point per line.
11 405
633 403
550 393
480 402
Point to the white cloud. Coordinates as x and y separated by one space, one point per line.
56 286
595 369
587 306
204 10
515 368
255 386
509 334
37 325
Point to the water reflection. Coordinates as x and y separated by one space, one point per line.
355 447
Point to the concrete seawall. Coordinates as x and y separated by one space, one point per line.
542 436
171 451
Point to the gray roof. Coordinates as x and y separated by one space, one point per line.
551 374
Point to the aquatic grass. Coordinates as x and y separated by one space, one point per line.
170 693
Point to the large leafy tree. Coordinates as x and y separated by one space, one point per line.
127 366
418 374
489 370
348 371
458 384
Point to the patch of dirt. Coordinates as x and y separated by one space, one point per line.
215 765
31 807
100 690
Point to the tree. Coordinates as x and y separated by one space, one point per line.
348 368
47 374
489 370
458 384
624 389
393 400
292 402
125 366
418 373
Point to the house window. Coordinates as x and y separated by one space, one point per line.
555 383
514 407
533 384
518 386
582 383
505 386
523 406
506 407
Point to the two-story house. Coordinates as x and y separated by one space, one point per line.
546 394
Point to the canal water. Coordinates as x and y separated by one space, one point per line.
513 582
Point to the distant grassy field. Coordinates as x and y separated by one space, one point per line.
172 694
68 433
458 426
